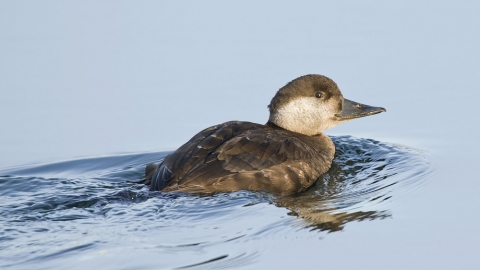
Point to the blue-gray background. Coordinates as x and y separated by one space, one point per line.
90 78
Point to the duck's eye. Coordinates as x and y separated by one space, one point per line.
319 95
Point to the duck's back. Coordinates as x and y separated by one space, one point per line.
245 156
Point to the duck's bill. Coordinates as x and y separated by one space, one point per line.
352 109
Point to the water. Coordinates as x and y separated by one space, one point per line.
84 212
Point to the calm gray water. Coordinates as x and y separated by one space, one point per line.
92 91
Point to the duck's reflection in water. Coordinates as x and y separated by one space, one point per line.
322 207
362 177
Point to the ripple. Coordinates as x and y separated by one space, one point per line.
364 176
223 262
85 211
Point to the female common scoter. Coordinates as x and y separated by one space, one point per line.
284 156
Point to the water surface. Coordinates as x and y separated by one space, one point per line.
84 212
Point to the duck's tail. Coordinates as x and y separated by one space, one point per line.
159 178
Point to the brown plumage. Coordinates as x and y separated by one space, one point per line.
285 156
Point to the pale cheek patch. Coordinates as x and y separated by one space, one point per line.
305 115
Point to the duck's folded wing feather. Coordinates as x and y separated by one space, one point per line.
194 153
251 158
242 155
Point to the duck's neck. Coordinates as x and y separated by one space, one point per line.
323 144
272 125
275 126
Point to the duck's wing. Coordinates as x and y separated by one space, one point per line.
251 157
194 152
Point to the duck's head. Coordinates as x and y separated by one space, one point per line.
313 103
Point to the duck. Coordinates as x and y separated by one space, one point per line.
285 156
